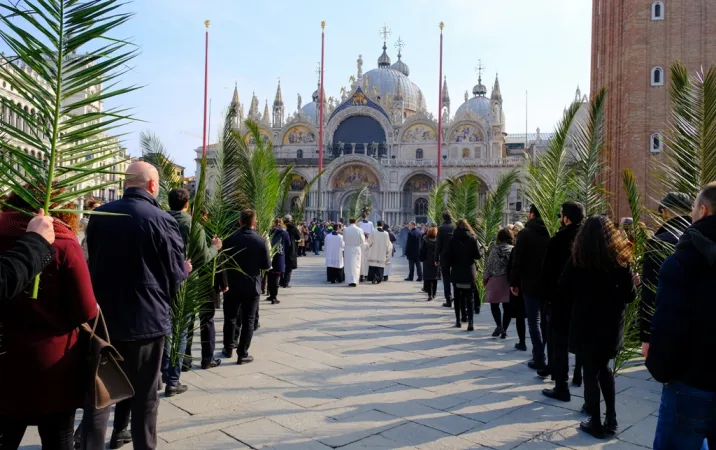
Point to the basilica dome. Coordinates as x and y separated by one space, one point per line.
478 105
387 81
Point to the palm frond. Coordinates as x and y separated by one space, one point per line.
632 340
549 178
463 198
436 202
690 154
258 180
64 61
490 215
359 202
300 210
154 153
589 182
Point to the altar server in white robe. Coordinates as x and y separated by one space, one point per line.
368 229
354 239
380 250
334 255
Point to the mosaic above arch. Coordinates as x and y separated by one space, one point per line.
419 183
299 134
298 183
353 176
467 133
250 138
419 133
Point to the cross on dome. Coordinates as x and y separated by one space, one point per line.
385 32
399 44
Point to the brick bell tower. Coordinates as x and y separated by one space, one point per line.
634 43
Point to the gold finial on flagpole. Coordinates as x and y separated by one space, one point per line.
207 23
323 25
442 25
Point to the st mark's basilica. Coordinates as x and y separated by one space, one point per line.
379 133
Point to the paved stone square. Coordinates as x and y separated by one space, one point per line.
379 367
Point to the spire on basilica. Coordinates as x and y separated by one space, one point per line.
445 94
496 93
265 117
384 60
479 90
399 65
254 107
236 107
278 108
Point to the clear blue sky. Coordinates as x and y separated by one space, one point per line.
538 46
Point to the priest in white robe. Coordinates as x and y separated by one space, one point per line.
366 225
334 255
354 239
380 250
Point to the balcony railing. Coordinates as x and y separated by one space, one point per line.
497 162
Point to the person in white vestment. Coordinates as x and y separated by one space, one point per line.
366 225
354 239
368 229
389 264
379 254
334 255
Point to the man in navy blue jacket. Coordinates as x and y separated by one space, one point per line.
681 346
250 252
412 252
137 264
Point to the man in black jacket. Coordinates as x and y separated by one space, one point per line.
525 277
674 209
251 253
559 251
412 252
681 346
137 265
292 257
27 257
445 232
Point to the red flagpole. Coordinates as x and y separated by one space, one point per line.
206 84
440 107
320 115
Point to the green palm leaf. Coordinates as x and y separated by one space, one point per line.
589 166
360 202
300 210
154 153
71 53
463 198
549 177
490 215
690 155
436 202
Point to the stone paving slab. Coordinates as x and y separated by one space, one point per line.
379 367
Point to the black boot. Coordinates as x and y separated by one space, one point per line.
560 393
448 303
119 438
469 325
577 379
593 427
458 324
610 423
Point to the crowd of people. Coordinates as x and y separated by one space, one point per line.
572 289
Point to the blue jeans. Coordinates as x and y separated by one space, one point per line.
533 309
171 374
686 416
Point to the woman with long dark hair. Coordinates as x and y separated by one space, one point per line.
496 283
428 257
42 364
462 252
600 283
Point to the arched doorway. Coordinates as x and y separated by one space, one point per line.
347 181
415 188
421 210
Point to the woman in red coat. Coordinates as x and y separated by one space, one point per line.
42 376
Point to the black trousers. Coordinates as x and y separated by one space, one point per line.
375 274
412 265
286 277
245 309
502 318
431 287
521 329
464 304
142 363
445 269
274 281
56 430
598 377
559 354
207 332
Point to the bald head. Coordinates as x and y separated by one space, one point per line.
143 175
